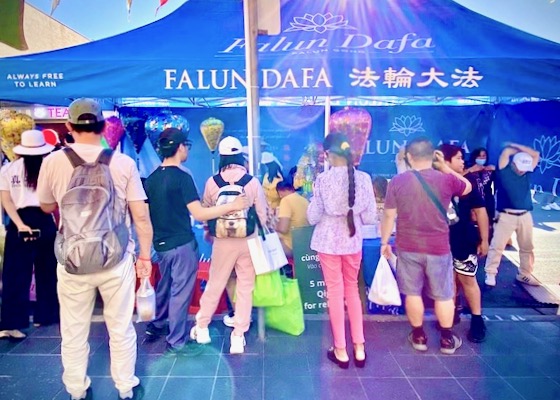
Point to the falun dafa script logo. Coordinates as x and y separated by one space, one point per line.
407 124
319 23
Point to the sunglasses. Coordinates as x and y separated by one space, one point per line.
188 144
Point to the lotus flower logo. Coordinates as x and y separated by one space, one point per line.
549 147
319 23
407 124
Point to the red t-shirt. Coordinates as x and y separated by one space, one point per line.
421 228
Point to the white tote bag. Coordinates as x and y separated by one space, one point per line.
267 254
384 289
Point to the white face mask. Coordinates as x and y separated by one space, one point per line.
480 161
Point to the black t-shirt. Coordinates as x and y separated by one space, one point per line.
464 236
169 190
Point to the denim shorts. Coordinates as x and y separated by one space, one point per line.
419 273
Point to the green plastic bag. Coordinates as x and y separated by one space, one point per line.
268 290
287 318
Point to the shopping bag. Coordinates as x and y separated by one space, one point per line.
384 290
287 318
267 253
268 290
145 301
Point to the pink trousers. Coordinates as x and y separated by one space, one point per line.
341 278
227 255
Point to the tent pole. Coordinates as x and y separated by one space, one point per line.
252 84
327 122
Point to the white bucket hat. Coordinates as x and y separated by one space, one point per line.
33 144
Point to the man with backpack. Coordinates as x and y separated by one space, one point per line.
230 249
173 198
97 192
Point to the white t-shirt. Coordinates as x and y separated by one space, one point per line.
12 179
57 170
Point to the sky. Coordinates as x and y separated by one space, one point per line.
97 19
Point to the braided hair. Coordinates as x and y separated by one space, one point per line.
339 144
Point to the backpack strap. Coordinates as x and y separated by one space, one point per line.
105 157
74 158
219 180
245 179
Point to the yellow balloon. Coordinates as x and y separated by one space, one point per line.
212 129
12 125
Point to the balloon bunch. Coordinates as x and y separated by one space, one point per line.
114 131
136 131
155 125
12 125
355 123
212 129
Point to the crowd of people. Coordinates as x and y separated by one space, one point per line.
442 209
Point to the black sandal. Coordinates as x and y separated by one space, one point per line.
360 363
331 356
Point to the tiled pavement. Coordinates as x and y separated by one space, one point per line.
519 360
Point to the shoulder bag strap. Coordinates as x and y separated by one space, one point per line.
431 194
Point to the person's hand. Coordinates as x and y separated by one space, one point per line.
475 168
482 248
439 161
386 251
490 168
241 202
208 238
143 268
25 228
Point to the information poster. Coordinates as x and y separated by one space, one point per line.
308 272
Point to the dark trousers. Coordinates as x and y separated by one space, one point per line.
178 268
19 258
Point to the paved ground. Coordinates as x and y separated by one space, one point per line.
546 238
519 360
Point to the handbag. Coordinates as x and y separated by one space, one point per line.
268 290
146 301
287 318
450 214
384 289
266 252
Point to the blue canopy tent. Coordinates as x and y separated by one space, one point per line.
326 48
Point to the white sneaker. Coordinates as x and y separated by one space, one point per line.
534 201
548 207
555 206
13 333
237 345
201 335
228 321
527 279
490 280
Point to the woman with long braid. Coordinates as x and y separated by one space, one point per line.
339 215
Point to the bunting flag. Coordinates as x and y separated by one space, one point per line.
128 5
161 4
54 4
11 24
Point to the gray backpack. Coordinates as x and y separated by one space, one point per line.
93 234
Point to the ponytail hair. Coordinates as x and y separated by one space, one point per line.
351 195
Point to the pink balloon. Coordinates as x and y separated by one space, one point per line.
355 123
114 131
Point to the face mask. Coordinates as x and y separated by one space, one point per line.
480 161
